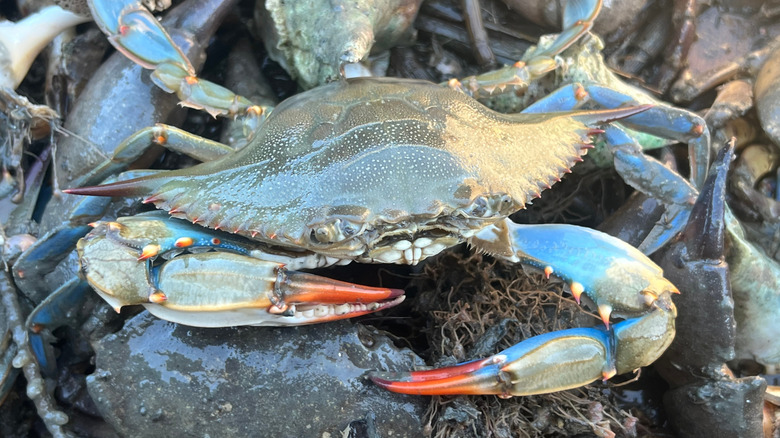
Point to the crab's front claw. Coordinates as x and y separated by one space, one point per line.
218 288
618 279
542 364
547 363
302 298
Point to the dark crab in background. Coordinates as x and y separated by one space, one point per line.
495 332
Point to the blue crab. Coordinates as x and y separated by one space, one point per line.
377 171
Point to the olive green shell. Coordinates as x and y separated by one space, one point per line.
375 152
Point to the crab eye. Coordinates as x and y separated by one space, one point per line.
324 234
333 232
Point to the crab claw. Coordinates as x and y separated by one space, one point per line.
542 364
218 289
308 299
221 288
550 362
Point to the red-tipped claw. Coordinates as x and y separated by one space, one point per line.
465 379
316 299
542 364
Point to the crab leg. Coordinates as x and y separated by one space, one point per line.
257 293
133 147
662 120
578 17
642 172
135 32
47 252
620 280
227 287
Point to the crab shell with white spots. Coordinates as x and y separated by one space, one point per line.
376 170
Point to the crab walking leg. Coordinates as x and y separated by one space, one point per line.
652 178
171 138
578 17
662 120
619 279
133 147
135 32
47 252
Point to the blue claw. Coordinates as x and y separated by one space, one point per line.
616 276
546 363
539 365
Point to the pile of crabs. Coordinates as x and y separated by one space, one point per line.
512 228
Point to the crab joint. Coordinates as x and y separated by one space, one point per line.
157 297
149 251
255 110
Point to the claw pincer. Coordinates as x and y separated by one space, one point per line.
218 282
616 277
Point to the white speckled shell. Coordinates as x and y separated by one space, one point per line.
375 151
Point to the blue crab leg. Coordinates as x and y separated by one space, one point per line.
257 293
619 280
53 312
578 17
135 32
661 120
652 178
538 365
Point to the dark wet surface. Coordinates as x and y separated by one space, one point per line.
283 382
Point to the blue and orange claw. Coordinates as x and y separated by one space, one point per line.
542 364
470 378
300 290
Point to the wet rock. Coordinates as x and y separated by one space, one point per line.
155 376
